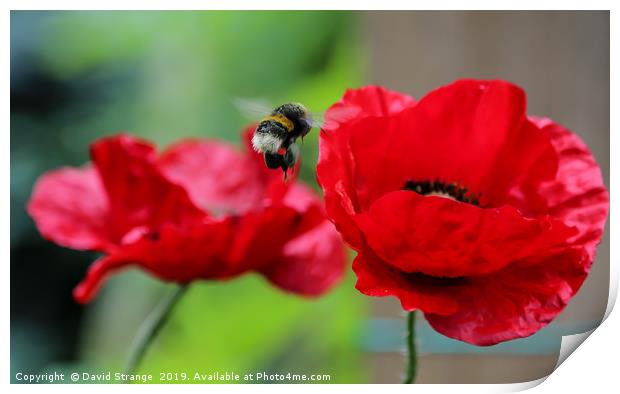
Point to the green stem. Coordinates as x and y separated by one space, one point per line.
412 357
150 327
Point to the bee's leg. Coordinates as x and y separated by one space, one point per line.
285 168
291 155
290 158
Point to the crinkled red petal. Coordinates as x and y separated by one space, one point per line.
576 196
441 237
514 303
482 310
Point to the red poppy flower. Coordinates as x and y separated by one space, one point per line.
463 207
200 210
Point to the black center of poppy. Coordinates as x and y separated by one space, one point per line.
439 188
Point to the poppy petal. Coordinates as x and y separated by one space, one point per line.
515 302
414 291
302 199
442 237
217 176
577 195
138 192
172 254
260 237
314 251
311 264
69 207
97 274
334 173
471 132
371 100
336 167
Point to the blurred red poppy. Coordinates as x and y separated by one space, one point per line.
200 210
463 207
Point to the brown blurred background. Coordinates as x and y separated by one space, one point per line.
561 59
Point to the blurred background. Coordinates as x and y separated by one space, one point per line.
77 76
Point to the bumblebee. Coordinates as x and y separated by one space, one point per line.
277 132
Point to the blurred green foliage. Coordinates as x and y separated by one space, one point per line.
170 75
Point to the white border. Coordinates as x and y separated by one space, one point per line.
594 364
309 5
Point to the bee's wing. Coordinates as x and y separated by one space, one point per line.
252 109
317 119
336 117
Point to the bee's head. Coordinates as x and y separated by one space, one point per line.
299 115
